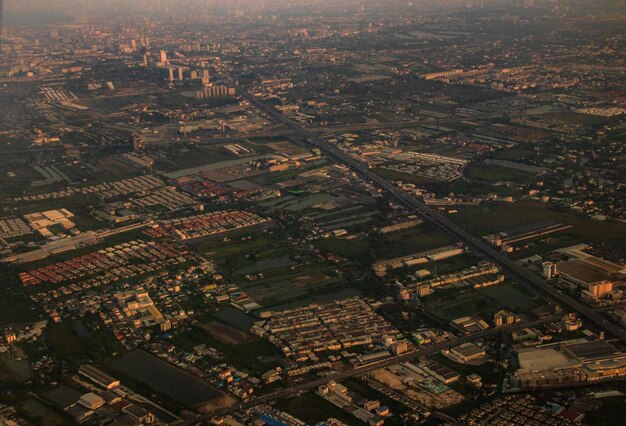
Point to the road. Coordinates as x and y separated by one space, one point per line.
413 405
359 371
480 246
444 224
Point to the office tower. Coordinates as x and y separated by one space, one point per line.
180 74
171 74
163 56
549 270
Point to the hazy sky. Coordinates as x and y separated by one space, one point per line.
38 11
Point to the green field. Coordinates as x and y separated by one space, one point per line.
412 241
64 342
508 295
15 307
571 117
516 153
496 217
351 249
469 303
245 356
41 414
492 174
193 157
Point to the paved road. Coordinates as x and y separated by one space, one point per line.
359 371
447 226
479 245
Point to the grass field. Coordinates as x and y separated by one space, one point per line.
351 249
245 356
496 217
64 342
491 173
15 307
462 305
508 295
41 414
516 153
408 242
571 117
194 157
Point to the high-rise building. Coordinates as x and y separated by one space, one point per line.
600 289
145 60
10 337
163 56
549 270
180 74
171 70
215 92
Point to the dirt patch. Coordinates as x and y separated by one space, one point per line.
416 393
227 334
218 404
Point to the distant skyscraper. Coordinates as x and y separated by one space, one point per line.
163 56
145 60
180 74
171 74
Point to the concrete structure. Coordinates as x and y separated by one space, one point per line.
98 376
91 401
467 352
549 270
566 363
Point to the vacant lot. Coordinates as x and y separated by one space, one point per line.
413 241
165 379
463 305
496 217
491 173
312 409
226 334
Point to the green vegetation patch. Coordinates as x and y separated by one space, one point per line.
351 249
497 217
491 173
249 356
64 342
408 242
466 304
